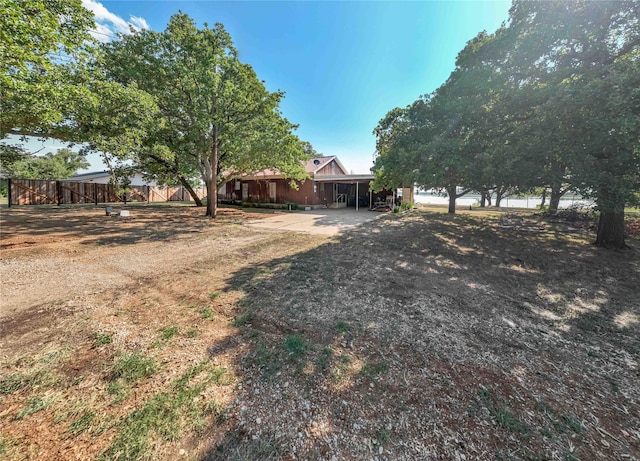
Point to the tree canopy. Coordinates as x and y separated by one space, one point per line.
41 44
17 163
551 99
177 105
215 119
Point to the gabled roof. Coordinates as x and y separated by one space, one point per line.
313 165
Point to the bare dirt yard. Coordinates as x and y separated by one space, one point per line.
484 335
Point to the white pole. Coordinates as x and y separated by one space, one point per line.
357 184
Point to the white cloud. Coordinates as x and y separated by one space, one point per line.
102 33
109 24
139 23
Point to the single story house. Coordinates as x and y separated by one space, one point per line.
329 186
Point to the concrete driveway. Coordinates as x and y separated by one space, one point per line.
322 221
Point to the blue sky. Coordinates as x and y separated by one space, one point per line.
343 65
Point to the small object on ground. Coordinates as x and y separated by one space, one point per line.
124 213
108 210
381 207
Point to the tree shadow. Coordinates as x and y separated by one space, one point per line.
408 315
90 225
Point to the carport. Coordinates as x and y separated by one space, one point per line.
341 190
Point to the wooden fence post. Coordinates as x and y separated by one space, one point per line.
9 191
95 193
58 192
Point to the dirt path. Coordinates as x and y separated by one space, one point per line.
29 282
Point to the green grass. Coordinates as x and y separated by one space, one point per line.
340 372
295 345
568 421
166 333
507 420
131 367
324 360
206 313
5 445
561 422
502 416
18 381
342 327
163 413
100 339
266 359
83 423
33 405
213 295
242 319
192 333
119 389
127 369
383 436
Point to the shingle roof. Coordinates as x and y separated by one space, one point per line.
311 166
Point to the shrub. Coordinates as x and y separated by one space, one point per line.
408 205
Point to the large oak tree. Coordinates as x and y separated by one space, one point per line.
217 119
552 99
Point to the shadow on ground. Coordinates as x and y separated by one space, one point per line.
428 335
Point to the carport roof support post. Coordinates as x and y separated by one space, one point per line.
357 197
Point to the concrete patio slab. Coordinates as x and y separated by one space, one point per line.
322 221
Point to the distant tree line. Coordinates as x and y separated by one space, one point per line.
176 105
549 102
16 163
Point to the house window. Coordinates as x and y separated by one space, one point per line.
223 189
272 191
237 185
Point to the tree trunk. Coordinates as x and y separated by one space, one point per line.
192 193
499 195
212 189
556 195
544 198
483 199
452 199
611 230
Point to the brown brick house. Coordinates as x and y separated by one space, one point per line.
328 185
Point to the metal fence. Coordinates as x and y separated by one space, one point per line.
44 192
